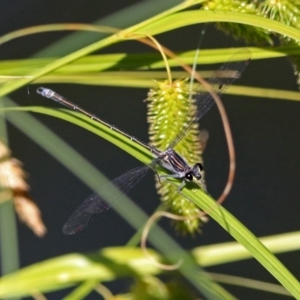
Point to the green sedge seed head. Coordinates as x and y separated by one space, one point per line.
288 13
249 34
169 110
285 11
229 5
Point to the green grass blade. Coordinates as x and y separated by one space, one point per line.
126 208
233 251
250 283
11 86
120 19
78 119
124 61
273 94
224 218
181 19
241 234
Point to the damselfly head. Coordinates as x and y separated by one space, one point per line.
197 171
44 92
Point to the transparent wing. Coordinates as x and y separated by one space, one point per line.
225 76
95 204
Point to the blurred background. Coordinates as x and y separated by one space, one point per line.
265 195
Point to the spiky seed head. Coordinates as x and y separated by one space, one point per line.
170 108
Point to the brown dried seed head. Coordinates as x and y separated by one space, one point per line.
29 213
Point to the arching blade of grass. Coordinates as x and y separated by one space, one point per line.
122 18
91 48
124 206
80 120
251 284
141 79
145 61
144 10
159 24
181 19
247 239
232 251
204 201
221 55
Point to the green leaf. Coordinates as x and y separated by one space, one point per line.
204 201
181 19
232 251
126 208
241 234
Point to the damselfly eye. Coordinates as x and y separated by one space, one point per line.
189 176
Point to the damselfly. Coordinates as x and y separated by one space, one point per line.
169 159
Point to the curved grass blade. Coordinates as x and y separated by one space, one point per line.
232 251
78 119
242 235
126 208
11 86
181 19
126 61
